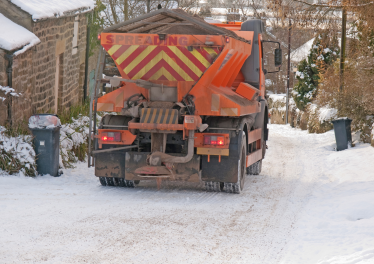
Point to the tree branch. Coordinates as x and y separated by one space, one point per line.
332 6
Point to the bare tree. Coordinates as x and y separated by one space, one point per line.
122 10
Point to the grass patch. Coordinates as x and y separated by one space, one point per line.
74 112
17 129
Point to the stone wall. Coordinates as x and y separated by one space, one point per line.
22 107
56 37
35 71
3 65
3 82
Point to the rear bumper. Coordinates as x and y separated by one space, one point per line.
189 171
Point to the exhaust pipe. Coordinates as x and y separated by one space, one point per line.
157 158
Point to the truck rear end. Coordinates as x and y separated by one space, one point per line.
190 103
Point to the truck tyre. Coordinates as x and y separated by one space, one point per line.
102 181
110 181
255 168
211 186
122 182
239 185
116 181
125 183
130 184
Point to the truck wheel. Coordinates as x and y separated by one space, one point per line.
255 168
102 181
116 181
110 181
130 184
122 182
211 186
239 185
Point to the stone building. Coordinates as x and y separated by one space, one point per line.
48 67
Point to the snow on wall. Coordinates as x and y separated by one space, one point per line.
40 9
13 36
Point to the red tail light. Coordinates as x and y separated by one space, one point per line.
214 140
111 136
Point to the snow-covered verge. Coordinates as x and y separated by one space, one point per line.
73 141
17 155
337 225
302 208
315 119
14 36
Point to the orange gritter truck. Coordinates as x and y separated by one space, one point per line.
190 102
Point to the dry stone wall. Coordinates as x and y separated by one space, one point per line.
22 71
56 37
3 82
37 71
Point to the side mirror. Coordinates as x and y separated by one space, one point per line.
278 57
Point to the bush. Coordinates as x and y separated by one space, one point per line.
16 152
324 52
74 134
355 100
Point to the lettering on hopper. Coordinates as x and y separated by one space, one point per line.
142 40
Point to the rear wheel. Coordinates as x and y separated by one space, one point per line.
122 182
110 181
255 168
239 185
116 181
211 186
102 181
130 184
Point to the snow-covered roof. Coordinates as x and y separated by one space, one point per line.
14 36
302 52
41 9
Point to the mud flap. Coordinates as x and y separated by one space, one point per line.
189 171
227 169
224 171
110 164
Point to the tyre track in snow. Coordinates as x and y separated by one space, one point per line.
72 219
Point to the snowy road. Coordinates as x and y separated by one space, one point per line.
73 219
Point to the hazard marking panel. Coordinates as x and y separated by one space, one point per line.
159 116
156 63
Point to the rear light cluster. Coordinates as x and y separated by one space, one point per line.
214 140
111 136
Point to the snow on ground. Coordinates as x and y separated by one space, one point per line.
309 205
41 9
14 36
278 97
337 225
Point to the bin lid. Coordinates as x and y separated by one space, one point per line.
44 121
341 119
